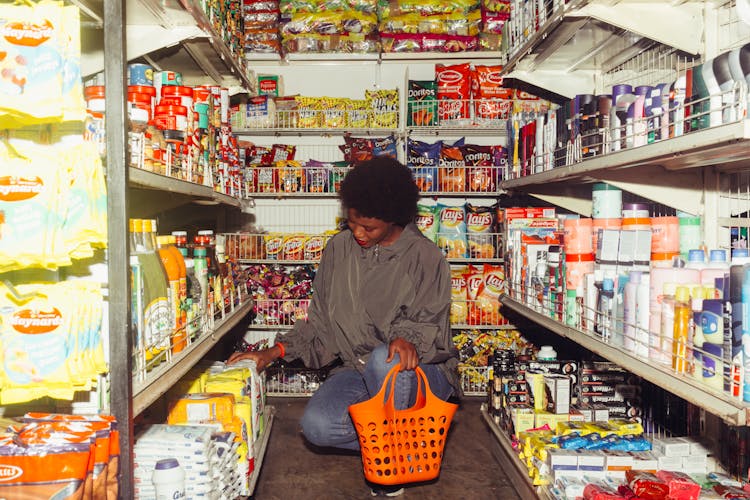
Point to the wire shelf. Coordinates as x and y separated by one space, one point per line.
279 313
588 140
474 379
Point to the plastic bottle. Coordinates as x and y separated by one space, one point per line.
168 479
546 353
642 316
173 269
663 354
696 259
605 301
709 338
717 267
183 278
629 311
695 360
733 342
201 273
156 316
682 316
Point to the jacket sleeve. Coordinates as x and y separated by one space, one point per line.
305 340
426 322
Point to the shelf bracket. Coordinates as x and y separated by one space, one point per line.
649 21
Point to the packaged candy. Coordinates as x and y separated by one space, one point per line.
452 231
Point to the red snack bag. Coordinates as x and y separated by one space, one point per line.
600 491
453 93
492 101
646 485
474 285
480 172
282 152
313 248
681 486
293 247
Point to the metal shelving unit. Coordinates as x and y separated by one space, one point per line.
143 179
259 448
518 473
730 410
161 378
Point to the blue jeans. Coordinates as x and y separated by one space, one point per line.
326 421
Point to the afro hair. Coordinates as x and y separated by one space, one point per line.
381 188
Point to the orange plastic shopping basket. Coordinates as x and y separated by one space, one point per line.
402 446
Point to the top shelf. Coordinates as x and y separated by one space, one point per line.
175 35
582 39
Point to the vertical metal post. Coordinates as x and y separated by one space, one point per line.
120 342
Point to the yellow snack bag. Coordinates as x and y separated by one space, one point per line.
459 306
357 113
74 107
31 60
308 112
383 107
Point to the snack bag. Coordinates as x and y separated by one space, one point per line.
452 231
422 104
492 101
266 179
291 176
308 112
427 221
488 299
452 170
333 112
357 149
481 175
313 247
423 159
453 93
357 113
385 147
316 177
383 107
459 309
480 222
273 244
474 284
292 247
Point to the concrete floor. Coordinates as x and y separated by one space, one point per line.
292 470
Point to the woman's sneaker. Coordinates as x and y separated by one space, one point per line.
379 490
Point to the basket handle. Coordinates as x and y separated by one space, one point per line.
423 390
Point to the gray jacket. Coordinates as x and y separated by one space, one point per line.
366 297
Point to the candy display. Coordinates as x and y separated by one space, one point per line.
281 294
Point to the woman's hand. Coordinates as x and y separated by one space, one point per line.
406 351
262 358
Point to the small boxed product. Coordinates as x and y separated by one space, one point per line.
671 447
590 461
523 418
669 463
558 393
558 459
645 460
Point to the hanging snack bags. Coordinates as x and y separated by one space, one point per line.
452 231
427 221
452 169
458 313
492 101
422 105
453 93
480 172
383 106
480 222
423 159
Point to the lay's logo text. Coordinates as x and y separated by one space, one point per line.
14 188
29 35
425 220
494 282
10 472
35 322
481 220
451 216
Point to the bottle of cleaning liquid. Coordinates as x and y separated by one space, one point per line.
682 317
696 259
663 355
709 341
717 267
629 311
642 317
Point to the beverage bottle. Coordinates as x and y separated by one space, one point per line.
201 273
173 270
156 314
183 278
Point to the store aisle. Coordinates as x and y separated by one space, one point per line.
293 471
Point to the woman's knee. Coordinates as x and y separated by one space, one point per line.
377 360
315 427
